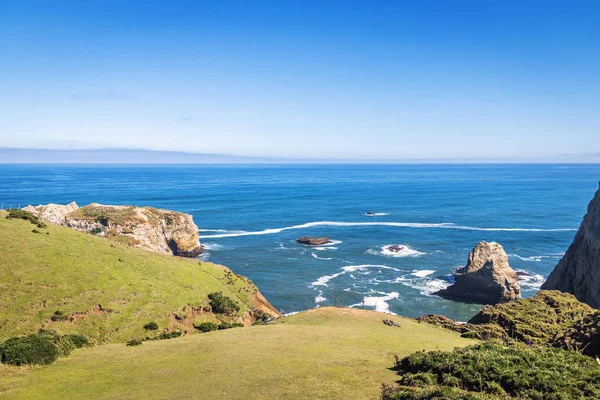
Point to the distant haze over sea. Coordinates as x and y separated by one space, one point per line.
148 156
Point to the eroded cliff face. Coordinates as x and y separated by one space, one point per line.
161 231
487 278
578 272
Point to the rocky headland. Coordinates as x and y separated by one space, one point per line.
578 272
487 278
161 231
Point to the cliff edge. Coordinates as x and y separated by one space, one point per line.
161 231
578 272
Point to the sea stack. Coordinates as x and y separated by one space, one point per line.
313 241
487 278
578 272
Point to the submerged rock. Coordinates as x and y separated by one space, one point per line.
313 241
397 248
578 272
487 278
161 231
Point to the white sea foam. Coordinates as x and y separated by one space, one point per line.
423 273
537 258
378 214
291 313
405 251
271 231
533 281
322 281
321 258
426 286
211 246
320 298
379 303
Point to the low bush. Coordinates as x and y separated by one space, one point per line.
207 326
227 325
134 342
492 371
37 348
170 335
96 231
151 326
59 316
79 340
35 231
222 304
16 213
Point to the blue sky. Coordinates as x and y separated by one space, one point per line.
367 80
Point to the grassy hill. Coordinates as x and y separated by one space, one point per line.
57 278
327 353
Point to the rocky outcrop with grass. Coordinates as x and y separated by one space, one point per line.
583 336
578 272
494 372
161 231
536 320
487 278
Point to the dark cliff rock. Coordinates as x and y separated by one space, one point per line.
578 272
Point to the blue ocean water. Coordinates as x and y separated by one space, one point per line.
250 216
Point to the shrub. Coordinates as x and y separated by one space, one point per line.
222 304
38 348
59 316
493 371
260 317
96 231
206 326
170 335
151 326
79 340
42 225
35 231
227 325
17 213
134 342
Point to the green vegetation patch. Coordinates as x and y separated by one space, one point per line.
221 304
17 213
583 336
40 348
533 320
327 353
74 273
493 371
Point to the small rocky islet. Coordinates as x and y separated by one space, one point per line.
313 241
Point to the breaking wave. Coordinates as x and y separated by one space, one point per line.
422 274
272 231
379 303
321 258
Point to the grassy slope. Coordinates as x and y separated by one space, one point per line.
73 272
325 353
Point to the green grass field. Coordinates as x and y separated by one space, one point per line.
75 273
326 353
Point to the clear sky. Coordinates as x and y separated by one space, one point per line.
334 79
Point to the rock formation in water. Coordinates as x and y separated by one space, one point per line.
487 278
578 272
313 241
161 231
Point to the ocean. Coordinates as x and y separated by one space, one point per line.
250 216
